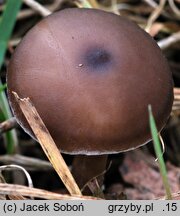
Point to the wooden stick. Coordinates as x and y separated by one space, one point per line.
47 144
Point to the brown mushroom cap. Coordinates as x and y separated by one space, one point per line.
91 75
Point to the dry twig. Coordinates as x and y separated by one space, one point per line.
155 14
167 42
174 8
8 125
47 144
151 3
27 162
12 189
37 7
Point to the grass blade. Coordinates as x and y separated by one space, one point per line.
7 23
159 155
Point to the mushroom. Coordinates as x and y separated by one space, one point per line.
91 75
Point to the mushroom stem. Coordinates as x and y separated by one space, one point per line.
85 168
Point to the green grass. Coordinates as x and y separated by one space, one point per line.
159 154
7 22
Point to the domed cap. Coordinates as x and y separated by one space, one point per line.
91 75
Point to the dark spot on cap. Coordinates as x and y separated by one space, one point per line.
98 59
